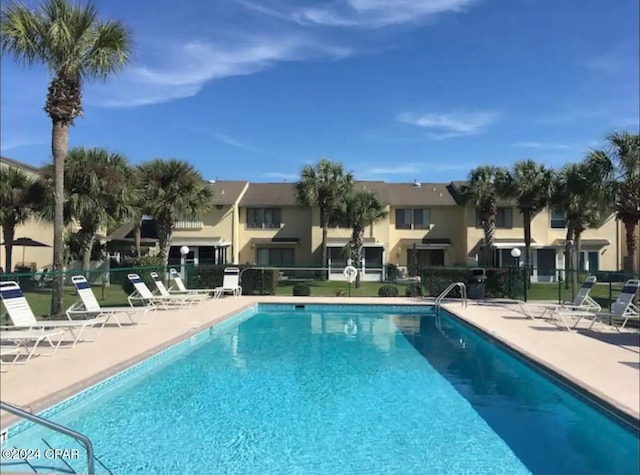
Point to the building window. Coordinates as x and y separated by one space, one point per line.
504 218
263 218
277 257
413 218
558 220
590 261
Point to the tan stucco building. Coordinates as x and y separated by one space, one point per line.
41 231
262 224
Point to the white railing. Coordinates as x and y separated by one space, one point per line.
187 224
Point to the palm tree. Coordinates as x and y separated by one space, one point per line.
359 209
620 166
531 186
76 46
172 190
584 197
99 193
324 185
481 191
19 200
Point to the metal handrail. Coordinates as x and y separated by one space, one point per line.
81 438
463 293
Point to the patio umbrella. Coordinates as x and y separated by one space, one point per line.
26 242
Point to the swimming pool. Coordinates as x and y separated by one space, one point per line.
335 389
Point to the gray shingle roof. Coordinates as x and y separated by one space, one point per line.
226 192
269 194
423 194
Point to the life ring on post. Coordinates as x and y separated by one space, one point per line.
350 273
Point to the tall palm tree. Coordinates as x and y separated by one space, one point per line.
360 209
583 195
481 191
324 185
172 190
531 186
19 200
76 46
620 165
99 193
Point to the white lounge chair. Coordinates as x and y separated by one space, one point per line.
581 302
22 316
622 309
144 295
6 350
31 338
88 305
181 288
230 282
163 292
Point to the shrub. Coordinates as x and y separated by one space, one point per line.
388 291
413 290
143 266
301 290
260 281
392 272
208 277
436 279
498 283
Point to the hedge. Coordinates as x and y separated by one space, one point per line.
436 279
388 291
254 281
301 290
142 266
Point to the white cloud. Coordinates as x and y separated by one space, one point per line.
404 170
281 176
7 145
233 142
630 122
186 68
361 13
449 125
622 58
543 145
606 63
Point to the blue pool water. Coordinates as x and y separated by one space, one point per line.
336 390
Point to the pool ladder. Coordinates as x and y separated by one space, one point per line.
447 291
81 438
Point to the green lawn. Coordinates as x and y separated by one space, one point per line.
601 293
40 299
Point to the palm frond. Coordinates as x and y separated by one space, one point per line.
68 38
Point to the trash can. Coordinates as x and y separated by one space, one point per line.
477 287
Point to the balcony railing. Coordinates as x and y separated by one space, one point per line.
189 224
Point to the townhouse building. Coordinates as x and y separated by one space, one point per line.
427 223
36 229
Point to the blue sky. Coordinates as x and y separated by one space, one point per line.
395 89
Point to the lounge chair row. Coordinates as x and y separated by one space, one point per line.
22 339
585 307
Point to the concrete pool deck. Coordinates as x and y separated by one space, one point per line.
603 362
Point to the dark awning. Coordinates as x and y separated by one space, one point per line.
276 240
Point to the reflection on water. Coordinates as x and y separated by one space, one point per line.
547 427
